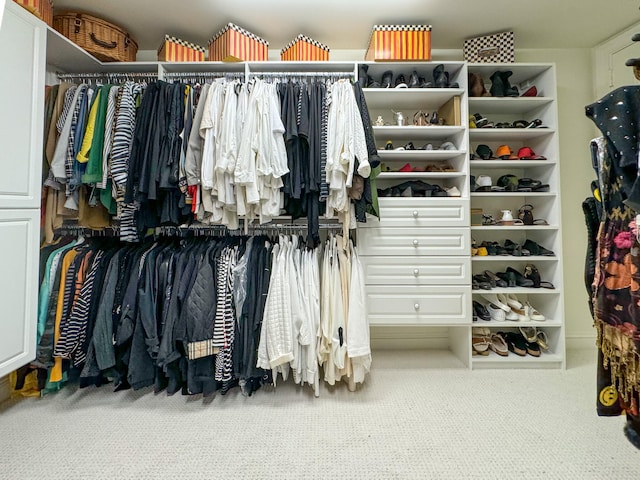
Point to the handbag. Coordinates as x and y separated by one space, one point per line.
496 48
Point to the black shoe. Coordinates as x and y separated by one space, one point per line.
424 83
508 277
532 273
409 146
435 120
440 80
400 82
363 78
481 311
386 79
497 85
414 80
483 282
521 281
509 91
388 146
537 249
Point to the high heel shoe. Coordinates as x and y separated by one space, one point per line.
497 85
386 79
532 273
414 80
509 91
440 80
520 279
419 119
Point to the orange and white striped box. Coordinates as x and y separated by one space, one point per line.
399 43
235 44
174 49
43 9
303 48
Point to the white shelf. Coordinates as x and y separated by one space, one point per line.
504 134
509 105
513 227
412 132
520 290
515 361
412 155
548 323
513 194
512 258
414 175
413 99
511 163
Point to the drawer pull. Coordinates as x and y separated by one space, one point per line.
415 213
416 272
416 306
416 243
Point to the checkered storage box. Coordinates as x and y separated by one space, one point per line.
235 44
496 48
399 43
304 48
174 49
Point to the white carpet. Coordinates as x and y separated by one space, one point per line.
408 421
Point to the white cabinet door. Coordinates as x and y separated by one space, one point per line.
22 69
19 238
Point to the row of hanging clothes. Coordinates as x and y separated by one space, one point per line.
198 314
612 217
173 152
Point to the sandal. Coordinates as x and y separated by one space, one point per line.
529 333
532 273
541 339
499 345
419 119
534 314
515 343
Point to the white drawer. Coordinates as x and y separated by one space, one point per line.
421 212
414 242
395 305
417 271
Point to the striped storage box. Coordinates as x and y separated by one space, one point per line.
399 42
43 9
174 49
235 44
304 48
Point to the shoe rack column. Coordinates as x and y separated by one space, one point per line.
417 257
515 166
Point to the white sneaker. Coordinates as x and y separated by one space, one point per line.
496 300
497 314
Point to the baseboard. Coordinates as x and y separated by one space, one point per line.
5 391
581 342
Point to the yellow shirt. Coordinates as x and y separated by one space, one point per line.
83 154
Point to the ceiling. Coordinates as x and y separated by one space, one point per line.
343 24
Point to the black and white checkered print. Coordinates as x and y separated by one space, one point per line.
233 26
313 42
497 48
176 40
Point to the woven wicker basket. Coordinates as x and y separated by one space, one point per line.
104 40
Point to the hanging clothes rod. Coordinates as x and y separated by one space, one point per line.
205 74
108 75
304 74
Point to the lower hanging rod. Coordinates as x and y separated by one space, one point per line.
303 74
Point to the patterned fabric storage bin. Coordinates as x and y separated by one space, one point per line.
399 42
304 48
235 44
43 9
174 49
497 48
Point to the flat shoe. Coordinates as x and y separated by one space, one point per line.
521 281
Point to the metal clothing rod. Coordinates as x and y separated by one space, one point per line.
204 74
107 75
303 74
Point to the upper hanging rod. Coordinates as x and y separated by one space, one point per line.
108 75
204 74
303 74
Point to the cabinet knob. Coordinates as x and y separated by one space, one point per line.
415 213
416 306
416 243
416 272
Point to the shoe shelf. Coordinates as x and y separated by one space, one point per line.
411 175
512 258
513 194
507 105
413 155
412 132
505 134
494 360
520 291
409 99
548 323
508 164
514 227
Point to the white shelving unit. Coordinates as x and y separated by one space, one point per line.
417 264
543 141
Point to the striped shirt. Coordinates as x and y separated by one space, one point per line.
108 136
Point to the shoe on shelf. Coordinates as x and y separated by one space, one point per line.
482 282
499 345
480 340
387 77
537 249
530 334
400 82
452 191
518 308
534 314
531 272
497 280
495 300
533 348
497 314
440 80
515 342
521 281
480 311
541 338
497 84
508 277
414 80
388 145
